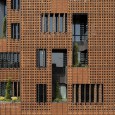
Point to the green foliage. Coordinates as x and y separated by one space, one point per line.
4 27
13 99
2 98
75 54
57 94
8 90
57 100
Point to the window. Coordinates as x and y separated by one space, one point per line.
88 93
41 58
83 58
16 87
2 88
15 31
15 4
41 92
15 91
97 93
82 93
80 39
54 22
9 60
59 75
61 22
92 92
46 23
51 22
80 28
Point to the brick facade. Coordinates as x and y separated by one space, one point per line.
101 53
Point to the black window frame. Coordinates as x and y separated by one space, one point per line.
15 34
87 93
15 5
53 19
15 88
83 25
10 61
41 93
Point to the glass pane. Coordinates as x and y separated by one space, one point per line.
40 93
16 4
61 23
11 60
78 57
46 23
77 29
76 38
16 31
92 92
41 58
56 23
77 93
57 58
87 93
51 23
82 93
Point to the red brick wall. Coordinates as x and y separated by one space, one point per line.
3 45
10 109
80 75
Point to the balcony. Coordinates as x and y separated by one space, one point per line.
59 75
80 40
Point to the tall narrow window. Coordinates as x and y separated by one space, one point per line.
65 23
15 87
80 37
15 4
92 92
51 22
102 91
46 23
61 22
80 29
82 92
87 92
97 92
41 93
15 31
41 58
56 22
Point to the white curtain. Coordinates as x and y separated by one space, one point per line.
63 91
